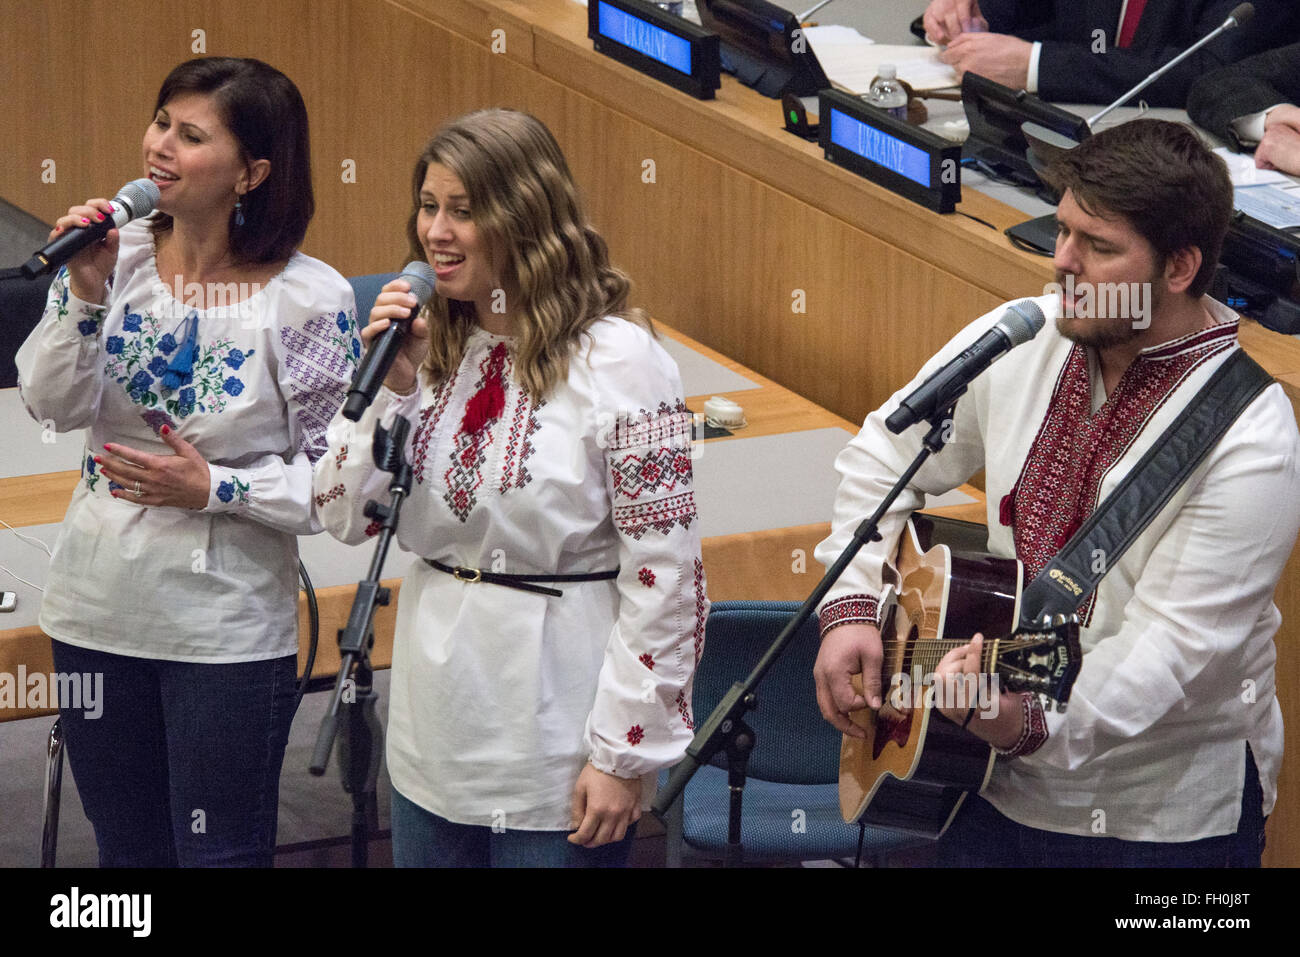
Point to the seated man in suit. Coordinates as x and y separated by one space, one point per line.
1092 51
1253 104
1169 752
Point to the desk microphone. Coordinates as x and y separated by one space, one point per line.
1018 325
1240 15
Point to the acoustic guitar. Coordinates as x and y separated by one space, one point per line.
915 767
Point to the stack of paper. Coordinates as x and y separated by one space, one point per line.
852 60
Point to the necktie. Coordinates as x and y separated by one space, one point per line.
1132 14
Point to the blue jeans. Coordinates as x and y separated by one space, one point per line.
183 765
982 837
423 839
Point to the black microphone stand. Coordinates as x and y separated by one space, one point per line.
725 729
361 745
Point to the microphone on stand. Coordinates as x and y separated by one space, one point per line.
1018 325
1241 14
137 198
379 357
1045 145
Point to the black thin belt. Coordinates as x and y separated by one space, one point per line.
521 582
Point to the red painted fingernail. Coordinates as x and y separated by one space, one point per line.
98 460
100 217
166 430
106 448
85 221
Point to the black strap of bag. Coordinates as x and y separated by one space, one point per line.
1069 578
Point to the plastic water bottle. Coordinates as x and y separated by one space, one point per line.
887 92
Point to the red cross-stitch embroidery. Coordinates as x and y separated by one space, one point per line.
429 418
701 609
647 661
684 710
523 425
634 735
647 577
329 496
471 442
1075 448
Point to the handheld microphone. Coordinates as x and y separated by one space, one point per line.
379 357
1241 14
1018 325
137 198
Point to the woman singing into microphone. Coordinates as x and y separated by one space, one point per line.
548 632
203 355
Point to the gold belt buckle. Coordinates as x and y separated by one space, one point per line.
468 572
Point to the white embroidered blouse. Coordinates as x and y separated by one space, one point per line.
217 585
500 696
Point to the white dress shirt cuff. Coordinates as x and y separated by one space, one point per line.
1031 81
1250 128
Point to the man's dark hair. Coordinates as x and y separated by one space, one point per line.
265 112
1160 178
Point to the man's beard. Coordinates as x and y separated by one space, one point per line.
1107 332
1106 337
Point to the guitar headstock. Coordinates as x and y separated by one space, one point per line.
1043 657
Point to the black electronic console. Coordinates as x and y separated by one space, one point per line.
1259 274
905 159
996 113
764 46
657 44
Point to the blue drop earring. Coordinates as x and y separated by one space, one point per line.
239 212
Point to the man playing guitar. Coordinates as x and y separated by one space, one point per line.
1169 752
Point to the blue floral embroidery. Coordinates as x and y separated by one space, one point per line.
59 290
139 384
89 471
136 363
356 348
233 489
342 322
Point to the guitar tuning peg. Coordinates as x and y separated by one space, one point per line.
1058 621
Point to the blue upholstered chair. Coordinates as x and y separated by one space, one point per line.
366 289
791 800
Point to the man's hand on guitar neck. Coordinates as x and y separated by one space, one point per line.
1000 726
850 649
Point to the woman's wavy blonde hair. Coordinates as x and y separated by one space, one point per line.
523 200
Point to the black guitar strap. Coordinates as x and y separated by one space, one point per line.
1069 578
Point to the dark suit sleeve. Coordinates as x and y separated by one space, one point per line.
1254 84
1070 71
